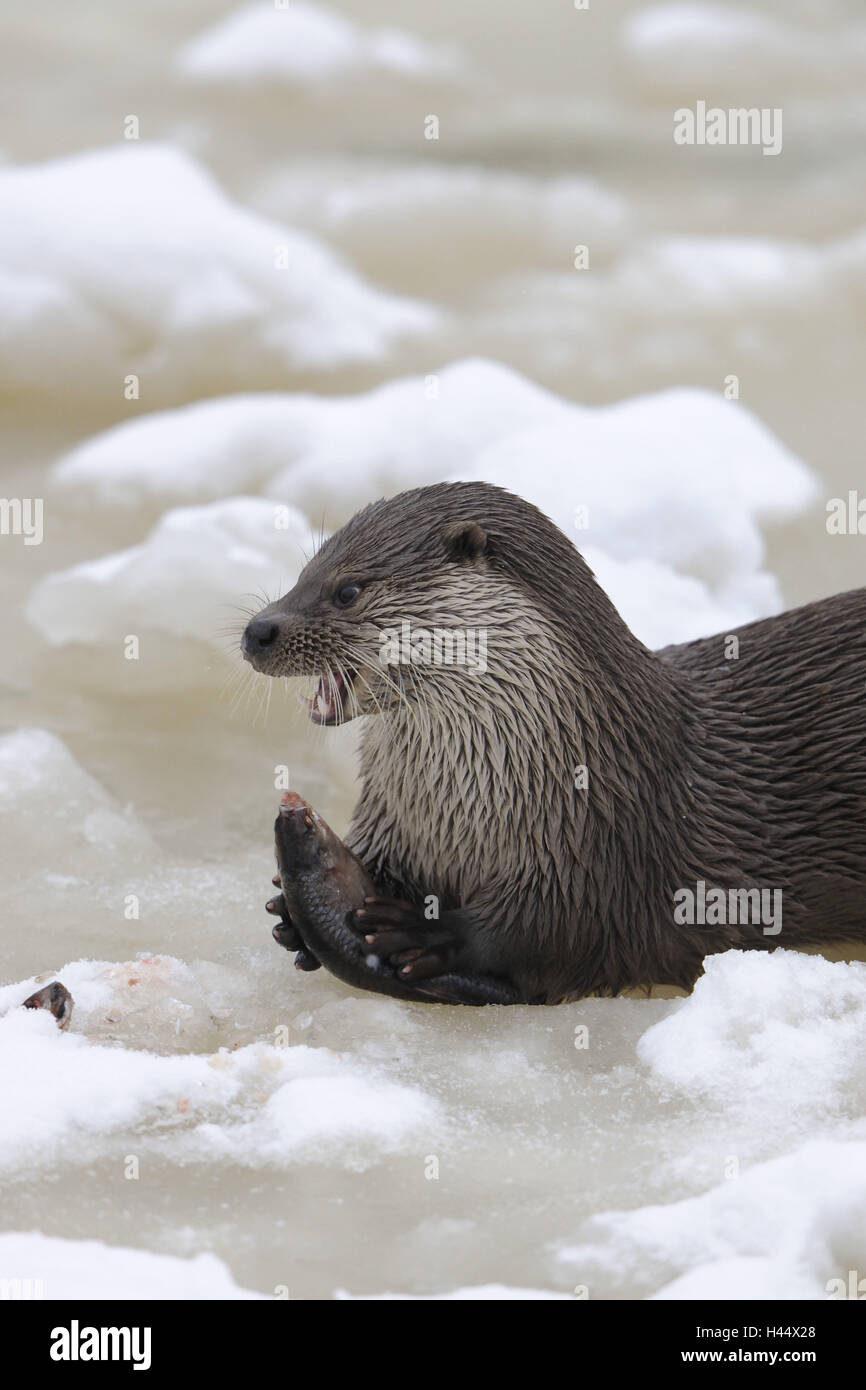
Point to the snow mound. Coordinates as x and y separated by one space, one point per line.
328 455
131 260
680 477
181 586
784 1229
53 1268
47 798
778 1031
74 1096
679 46
764 1053
664 493
301 43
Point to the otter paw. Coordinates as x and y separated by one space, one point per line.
399 932
286 934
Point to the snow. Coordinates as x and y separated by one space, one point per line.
711 43
222 1061
131 260
799 1052
356 1081
766 1044
90 1269
776 1232
329 452
300 43
185 583
260 1105
46 795
674 486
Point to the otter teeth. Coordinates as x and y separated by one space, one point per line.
329 704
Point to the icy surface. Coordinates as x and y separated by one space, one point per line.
151 266
75 1269
179 587
300 43
445 225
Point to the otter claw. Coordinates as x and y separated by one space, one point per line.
286 934
423 966
397 931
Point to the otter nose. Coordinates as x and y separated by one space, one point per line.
259 634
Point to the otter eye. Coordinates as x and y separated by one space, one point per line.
347 595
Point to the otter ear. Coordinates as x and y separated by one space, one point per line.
465 541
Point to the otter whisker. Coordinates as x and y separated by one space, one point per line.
241 681
387 680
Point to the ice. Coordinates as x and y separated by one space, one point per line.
715 44
678 477
776 1232
304 43
777 1033
732 1201
448 226
663 606
327 455
715 302
664 492
484 1293
47 797
261 1104
766 1045
131 260
50 1267
176 592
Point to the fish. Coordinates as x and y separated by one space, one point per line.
323 884
56 999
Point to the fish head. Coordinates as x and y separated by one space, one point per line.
305 842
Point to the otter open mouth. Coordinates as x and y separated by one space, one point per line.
330 704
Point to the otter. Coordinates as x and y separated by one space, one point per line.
532 822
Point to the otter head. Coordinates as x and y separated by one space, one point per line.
409 560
